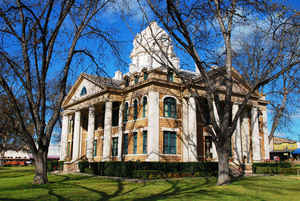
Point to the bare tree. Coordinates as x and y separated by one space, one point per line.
39 41
10 138
187 22
278 34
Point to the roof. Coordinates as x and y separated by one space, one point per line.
103 81
279 140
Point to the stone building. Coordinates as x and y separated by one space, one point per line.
149 115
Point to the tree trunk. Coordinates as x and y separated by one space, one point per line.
40 162
2 158
223 164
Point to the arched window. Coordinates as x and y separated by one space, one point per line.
135 109
126 112
170 107
83 91
144 106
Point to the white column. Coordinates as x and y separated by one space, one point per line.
64 136
91 130
153 126
213 149
255 135
266 134
120 136
76 140
185 131
245 136
107 131
237 149
192 137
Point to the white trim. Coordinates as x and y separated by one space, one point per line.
135 154
170 129
169 96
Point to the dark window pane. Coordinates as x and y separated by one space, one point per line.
144 142
134 142
125 144
135 105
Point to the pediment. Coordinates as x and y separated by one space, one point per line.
82 89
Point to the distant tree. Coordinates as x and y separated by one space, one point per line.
39 41
202 29
10 136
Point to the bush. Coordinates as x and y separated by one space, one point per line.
61 165
150 169
52 165
82 165
275 170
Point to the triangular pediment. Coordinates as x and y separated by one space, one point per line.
83 88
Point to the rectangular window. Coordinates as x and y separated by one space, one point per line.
136 79
114 146
95 148
125 144
170 76
134 142
115 113
169 142
145 75
144 142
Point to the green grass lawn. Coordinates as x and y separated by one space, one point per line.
16 184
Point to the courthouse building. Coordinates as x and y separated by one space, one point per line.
149 114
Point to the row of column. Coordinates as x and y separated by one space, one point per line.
241 136
91 132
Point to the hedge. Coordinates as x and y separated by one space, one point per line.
149 169
274 168
54 165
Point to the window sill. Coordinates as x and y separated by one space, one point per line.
135 154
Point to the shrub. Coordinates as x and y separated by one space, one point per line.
82 165
144 169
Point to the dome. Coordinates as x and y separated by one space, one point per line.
151 48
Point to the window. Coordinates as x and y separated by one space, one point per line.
135 107
144 106
125 144
114 146
126 82
170 107
95 148
144 142
134 142
170 76
126 112
204 111
169 142
145 75
115 113
136 79
83 91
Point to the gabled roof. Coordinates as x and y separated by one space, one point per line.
101 82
